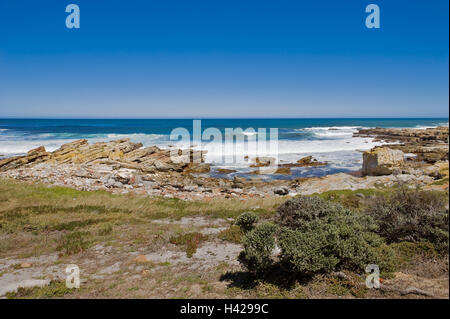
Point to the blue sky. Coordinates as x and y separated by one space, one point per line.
228 58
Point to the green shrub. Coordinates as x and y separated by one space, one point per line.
259 244
341 240
298 212
313 236
306 252
246 221
412 216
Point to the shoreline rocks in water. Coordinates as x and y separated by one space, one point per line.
307 161
121 166
382 161
429 145
415 151
264 161
226 171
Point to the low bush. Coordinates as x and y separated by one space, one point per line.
298 212
412 216
246 221
313 236
341 239
259 244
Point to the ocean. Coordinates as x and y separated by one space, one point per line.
326 139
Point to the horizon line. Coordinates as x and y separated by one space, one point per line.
221 118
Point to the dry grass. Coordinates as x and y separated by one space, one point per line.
37 220
15 194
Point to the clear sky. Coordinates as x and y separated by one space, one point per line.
224 58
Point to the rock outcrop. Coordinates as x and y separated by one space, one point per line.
407 135
429 145
382 161
122 166
307 161
118 154
264 161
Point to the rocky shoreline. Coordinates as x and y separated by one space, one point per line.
416 157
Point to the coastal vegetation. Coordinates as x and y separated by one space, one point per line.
318 236
323 245
139 225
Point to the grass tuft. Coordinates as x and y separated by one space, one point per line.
190 241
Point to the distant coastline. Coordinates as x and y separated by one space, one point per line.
329 140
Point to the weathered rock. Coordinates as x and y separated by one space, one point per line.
343 181
138 154
429 145
381 161
282 190
124 176
306 161
118 153
110 183
283 170
38 150
225 171
18 161
117 185
408 135
190 188
198 169
433 171
263 161
6 161
73 145
141 259
238 182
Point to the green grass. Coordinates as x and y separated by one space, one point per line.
23 198
105 229
37 218
56 289
441 181
358 199
75 242
233 234
405 252
352 199
342 287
